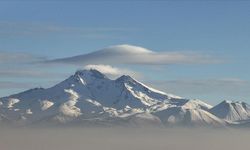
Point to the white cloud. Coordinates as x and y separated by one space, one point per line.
128 54
113 72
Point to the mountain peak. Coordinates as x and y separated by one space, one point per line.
231 102
125 78
231 110
91 72
226 102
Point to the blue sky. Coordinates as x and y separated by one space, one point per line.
49 30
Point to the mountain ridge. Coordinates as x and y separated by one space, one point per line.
89 96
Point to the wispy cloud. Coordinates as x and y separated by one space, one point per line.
29 73
17 57
24 65
128 54
224 88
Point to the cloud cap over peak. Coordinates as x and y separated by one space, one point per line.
112 72
129 54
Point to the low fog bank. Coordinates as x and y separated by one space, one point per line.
123 139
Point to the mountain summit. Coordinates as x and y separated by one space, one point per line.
232 111
89 97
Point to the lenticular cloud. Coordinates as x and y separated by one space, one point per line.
128 54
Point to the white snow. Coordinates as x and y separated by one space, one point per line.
28 111
195 103
183 116
46 104
11 102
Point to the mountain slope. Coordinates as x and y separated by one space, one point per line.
188 117
231 111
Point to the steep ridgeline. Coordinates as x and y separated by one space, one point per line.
90 98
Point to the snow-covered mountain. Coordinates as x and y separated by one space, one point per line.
191 113
232 111
90 98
